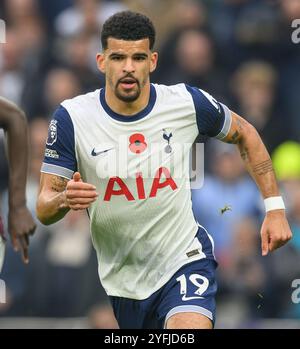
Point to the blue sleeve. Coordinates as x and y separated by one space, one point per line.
213 118
60 158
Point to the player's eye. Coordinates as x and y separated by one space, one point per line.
139 58
117 58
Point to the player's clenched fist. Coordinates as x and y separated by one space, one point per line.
80 195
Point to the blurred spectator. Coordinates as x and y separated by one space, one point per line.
61 279
286 260
190 14
183 16
50 10
67 267
55 93
244 279
194 53
254 86
85 16
78 29
194 59
18 11
243 30
289 64
79 54
30 53
35 62
11 75
177 15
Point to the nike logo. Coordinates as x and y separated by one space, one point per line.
96 153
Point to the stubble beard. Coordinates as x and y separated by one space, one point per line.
130 96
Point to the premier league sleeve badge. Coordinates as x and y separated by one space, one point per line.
52 133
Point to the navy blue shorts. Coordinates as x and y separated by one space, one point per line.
191 289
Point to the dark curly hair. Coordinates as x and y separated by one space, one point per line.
128 25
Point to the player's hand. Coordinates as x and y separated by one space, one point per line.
80 195
20 226
275 231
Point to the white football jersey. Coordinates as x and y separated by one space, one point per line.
142 223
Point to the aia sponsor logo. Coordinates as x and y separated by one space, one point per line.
162 179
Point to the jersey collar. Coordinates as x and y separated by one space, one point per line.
140 115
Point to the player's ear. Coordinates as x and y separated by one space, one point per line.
100 62
153 61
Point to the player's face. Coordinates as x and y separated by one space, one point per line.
127 65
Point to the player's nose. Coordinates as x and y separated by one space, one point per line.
128 66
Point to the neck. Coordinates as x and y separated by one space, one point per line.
127 108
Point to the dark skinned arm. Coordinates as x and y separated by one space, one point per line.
20 221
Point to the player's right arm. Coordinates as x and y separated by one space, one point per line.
61 186
58 195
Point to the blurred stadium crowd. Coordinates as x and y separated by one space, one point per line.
242 53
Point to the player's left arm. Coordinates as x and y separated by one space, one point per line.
275 231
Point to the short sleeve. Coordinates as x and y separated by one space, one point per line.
213 118
60 157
